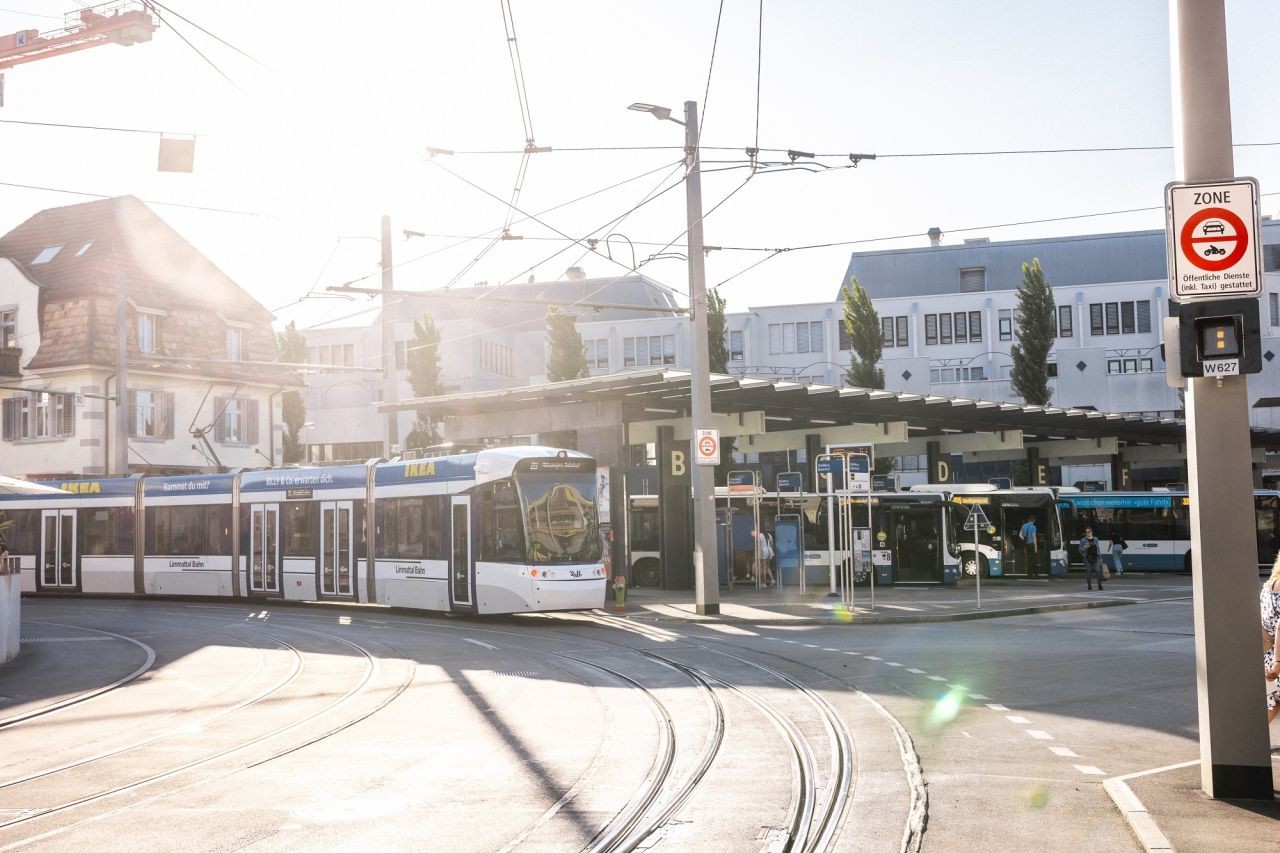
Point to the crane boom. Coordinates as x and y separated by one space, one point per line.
125 22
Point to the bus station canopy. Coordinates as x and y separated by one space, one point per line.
657 395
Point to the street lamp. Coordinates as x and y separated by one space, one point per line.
705 555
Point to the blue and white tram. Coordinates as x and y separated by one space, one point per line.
504 530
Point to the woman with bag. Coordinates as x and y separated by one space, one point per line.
1270 602
1091 554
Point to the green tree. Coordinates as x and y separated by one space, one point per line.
1030 379
423 360
565 358
862 324
716 332
292 347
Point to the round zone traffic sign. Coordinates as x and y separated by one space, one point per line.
1216 227
707 446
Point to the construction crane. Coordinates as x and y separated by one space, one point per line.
125 22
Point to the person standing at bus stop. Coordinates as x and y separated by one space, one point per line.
1029 546
1091 554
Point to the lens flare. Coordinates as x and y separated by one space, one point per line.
1038 797
945 710
842 613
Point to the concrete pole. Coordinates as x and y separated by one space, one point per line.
1234 749
705 549
388 339
120 450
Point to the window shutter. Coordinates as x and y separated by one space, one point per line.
1144 316
251 415
131 411
166 415
10 420
68 425
220 419
973 280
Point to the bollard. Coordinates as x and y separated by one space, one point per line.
620 592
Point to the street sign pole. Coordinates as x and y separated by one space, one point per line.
1234 754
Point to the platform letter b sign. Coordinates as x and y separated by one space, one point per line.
677 463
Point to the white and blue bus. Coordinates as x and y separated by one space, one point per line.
1156 525
503 530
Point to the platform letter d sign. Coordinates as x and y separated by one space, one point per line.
943 472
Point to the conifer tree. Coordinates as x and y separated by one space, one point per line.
1030 379
718 351
862 324
423 360
292 347
565 358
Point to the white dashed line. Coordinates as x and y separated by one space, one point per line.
916 671
873 657
810 646
997 707
960 687
830 650
1018 721
1088 770
1063 752
979 697
855 654
936 678
1039 735
891 663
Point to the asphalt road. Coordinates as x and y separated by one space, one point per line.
150 725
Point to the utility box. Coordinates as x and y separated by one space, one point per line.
1221 337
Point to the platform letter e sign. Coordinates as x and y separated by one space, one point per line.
677 463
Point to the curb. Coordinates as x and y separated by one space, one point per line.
966 616
1135 813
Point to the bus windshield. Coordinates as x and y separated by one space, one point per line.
560 514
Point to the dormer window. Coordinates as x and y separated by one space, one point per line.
47 254
146 332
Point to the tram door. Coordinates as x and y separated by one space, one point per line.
264 549
336 557
461 569
917 551
58 561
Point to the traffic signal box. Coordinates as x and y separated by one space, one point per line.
1222 337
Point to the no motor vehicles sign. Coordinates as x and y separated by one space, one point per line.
706 447
1212 235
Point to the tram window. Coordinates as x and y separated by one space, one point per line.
189 530
298 520
501 534
385 523
433 527
23 532
107 530
408 541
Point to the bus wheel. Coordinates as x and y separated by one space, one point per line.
647 573
971 567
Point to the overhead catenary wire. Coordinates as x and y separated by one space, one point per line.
211 35
759 59
711 66
152 6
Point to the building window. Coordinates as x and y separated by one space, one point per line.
9 328
654 349
1064 321
668 349
962 327
940 375
902 326
895 331
886 331
495 358
596 352
234 344
1274 299
817 342
787 338
735 347
39 415
775 339
975 327
1052 370
973 280
1006 324
238 421
349 355
628 352
930 329
146 332
151 413
47 254
1120 318
842 335
944 328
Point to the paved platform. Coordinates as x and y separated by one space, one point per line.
907 604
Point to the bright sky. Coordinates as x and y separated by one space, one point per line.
315 147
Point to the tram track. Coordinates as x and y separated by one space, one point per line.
371 672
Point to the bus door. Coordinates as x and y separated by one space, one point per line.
336 555
461 563
1267 509
1012 519
264 549
916 541
58 559
788 549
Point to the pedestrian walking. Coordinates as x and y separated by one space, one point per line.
1030 546
1091 554
1118 545
764 570
1270 602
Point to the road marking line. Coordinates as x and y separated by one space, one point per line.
1088 770
891 663
936 678
979 697
959 688
810 646
873 657
997 707
1063 752
830 650
478 643
916 671
1016 720
858 654
1039 734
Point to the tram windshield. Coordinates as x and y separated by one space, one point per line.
559 509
